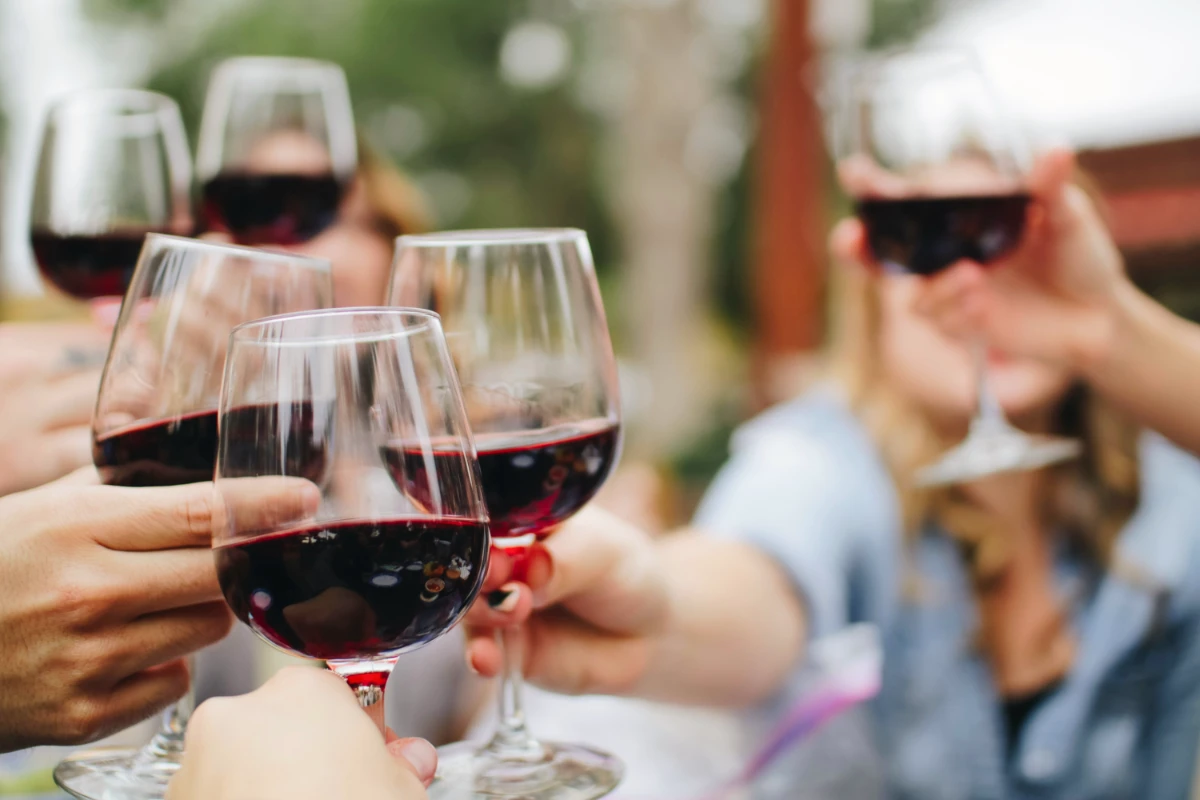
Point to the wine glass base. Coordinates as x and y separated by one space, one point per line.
467 771
115 774
995 453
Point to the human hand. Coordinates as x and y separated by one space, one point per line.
302 735
598 599
1057 298
49 373
103 590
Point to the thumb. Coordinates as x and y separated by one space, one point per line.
416 755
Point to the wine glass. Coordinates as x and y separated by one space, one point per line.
526 328
277 149
938 170
156 419
113 166
362 408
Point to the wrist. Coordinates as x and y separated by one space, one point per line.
1097 337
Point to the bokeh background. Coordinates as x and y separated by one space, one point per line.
686 136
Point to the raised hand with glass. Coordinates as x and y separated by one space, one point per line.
937 170
526 329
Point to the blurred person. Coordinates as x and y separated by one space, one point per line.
302 735
49 373
103 591
379 204
1065 300
1041 629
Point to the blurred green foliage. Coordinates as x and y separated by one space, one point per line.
524 157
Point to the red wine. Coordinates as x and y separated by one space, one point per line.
160 453
924 235
300 446
184 449
88 266
271 208
353 590
531 481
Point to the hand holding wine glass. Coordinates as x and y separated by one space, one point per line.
526 328
1053 298
155 422
103 591
939 176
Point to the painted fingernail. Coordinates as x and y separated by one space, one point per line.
505 598
422 756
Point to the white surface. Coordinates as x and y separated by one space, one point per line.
1093 72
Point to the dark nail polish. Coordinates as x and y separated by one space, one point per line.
497 598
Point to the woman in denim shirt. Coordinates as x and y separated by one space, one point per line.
1041 629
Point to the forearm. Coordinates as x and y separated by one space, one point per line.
734 628
1148 365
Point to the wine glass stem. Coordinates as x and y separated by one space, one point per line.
368 688
167 743
989 416
512 740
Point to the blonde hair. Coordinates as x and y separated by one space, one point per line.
396 204
1091 499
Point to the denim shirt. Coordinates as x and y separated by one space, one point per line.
807 485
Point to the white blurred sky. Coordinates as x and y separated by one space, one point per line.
1094 72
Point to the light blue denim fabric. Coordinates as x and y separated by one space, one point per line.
806 484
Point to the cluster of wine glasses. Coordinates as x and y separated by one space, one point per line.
277 150
478 409
481 404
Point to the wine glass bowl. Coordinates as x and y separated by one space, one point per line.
277 149
395 550
113 166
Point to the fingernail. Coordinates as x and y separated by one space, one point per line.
505 598
422 756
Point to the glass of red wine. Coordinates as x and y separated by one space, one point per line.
395 550
937 170
277 149
156 418
114 166
526 328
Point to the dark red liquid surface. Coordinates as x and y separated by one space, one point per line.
352 590
270 209
184 449
88 266
531 481
161 453
924 235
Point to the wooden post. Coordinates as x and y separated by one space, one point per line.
790 254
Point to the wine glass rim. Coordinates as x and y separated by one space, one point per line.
312 262
244 333
500 236
267 63
126 101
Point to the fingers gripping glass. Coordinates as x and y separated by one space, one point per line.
527 333
156 419
938 176
277 149
357 415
